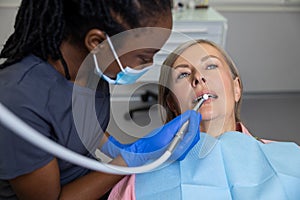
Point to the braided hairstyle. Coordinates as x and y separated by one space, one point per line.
41 26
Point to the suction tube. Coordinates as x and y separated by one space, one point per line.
23 130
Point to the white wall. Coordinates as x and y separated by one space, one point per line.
7 15
266 47
264 41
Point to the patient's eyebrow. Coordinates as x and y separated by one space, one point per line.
182 66
208 57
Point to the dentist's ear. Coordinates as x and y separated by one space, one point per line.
237 89
93 38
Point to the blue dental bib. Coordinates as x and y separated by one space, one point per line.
233 166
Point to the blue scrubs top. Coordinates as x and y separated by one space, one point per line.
42 97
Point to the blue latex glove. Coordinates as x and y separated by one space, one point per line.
156 142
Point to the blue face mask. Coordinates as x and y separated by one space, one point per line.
125 76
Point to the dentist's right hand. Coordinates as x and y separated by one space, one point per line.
154 144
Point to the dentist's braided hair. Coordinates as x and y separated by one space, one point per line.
42 25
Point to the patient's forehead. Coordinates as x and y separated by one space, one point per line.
196 52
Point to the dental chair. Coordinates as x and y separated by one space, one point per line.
149 97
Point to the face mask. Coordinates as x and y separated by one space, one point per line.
125 76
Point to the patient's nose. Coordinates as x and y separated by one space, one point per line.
198 79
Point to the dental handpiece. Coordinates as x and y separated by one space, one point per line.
180 134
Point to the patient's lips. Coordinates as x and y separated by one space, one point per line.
205 96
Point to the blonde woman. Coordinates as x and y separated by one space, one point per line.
227 162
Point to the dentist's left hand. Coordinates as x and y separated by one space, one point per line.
156 142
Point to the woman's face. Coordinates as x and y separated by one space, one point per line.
202 69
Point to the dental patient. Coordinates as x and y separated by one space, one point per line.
228 162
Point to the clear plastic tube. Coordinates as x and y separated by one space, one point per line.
23 130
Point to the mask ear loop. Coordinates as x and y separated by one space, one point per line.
114 52
98 70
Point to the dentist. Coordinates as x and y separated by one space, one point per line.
43 56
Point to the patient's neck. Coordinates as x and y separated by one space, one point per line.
218 126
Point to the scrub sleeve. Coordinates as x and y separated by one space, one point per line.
34 91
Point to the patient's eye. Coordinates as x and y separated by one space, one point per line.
182 71
211 66
183 75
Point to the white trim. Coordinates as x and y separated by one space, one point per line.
10 3
243 8
257 7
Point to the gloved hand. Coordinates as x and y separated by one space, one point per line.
155 143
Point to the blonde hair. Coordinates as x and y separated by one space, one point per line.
165 77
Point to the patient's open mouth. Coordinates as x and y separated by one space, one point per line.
205 97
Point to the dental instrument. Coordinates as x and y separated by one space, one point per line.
180 134
19 127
